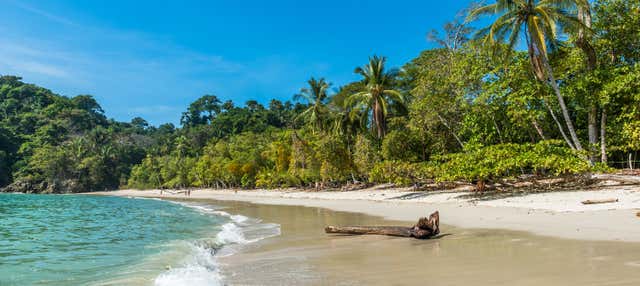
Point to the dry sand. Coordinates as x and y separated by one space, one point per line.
304 255
558 214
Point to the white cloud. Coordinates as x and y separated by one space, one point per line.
126 70
42 13
36 67
24 58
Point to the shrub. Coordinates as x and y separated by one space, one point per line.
270 179
485 164
509 160
396 172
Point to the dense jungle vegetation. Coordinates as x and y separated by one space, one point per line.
548 88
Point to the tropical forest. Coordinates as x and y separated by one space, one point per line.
513 89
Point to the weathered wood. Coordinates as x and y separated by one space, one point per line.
604 201
425 228
402 231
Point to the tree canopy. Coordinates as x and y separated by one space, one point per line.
547 88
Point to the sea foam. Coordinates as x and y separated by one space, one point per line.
201 267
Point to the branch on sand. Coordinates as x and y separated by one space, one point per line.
425 228
604 201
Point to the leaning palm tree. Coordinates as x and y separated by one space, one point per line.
377 94
316 96
540 23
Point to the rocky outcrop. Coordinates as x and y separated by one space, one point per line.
34 187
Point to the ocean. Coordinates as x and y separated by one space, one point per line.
96 240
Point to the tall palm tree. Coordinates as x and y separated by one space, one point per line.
540 22
317 97
583 41
377 94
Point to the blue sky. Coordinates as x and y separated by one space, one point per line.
152 58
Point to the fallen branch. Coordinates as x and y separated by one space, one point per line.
173 192
425 228
604 201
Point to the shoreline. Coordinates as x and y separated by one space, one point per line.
555 214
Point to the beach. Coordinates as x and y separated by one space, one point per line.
304 255
556 214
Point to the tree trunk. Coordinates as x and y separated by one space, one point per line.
555 118
495 124
563 106
380 230
544 60
603 137
425 228
444 122
593 131
584 16
538 129
378 118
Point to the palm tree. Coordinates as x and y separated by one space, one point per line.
539 22
377 94
317 97
583 42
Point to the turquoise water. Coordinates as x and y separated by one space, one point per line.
93 240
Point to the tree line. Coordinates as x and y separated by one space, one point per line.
547 88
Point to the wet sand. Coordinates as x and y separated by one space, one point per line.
557 214
305 255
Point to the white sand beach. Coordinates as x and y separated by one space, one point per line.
557 214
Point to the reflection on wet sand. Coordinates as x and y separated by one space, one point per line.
305 255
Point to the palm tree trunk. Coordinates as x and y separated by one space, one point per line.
603 137
584 16
535 47
555 118
378 118
563 105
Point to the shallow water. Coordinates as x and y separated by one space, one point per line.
305 255
86 240
91 240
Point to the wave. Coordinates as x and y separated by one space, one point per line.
200 267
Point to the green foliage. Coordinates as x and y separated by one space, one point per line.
378 94
616 26
468 110
337 165
396 172
366 155
317 114
509 160
402 145
271 179
546 158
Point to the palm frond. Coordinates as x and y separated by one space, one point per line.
394 95
481 11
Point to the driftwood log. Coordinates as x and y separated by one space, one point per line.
605 201
425 228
